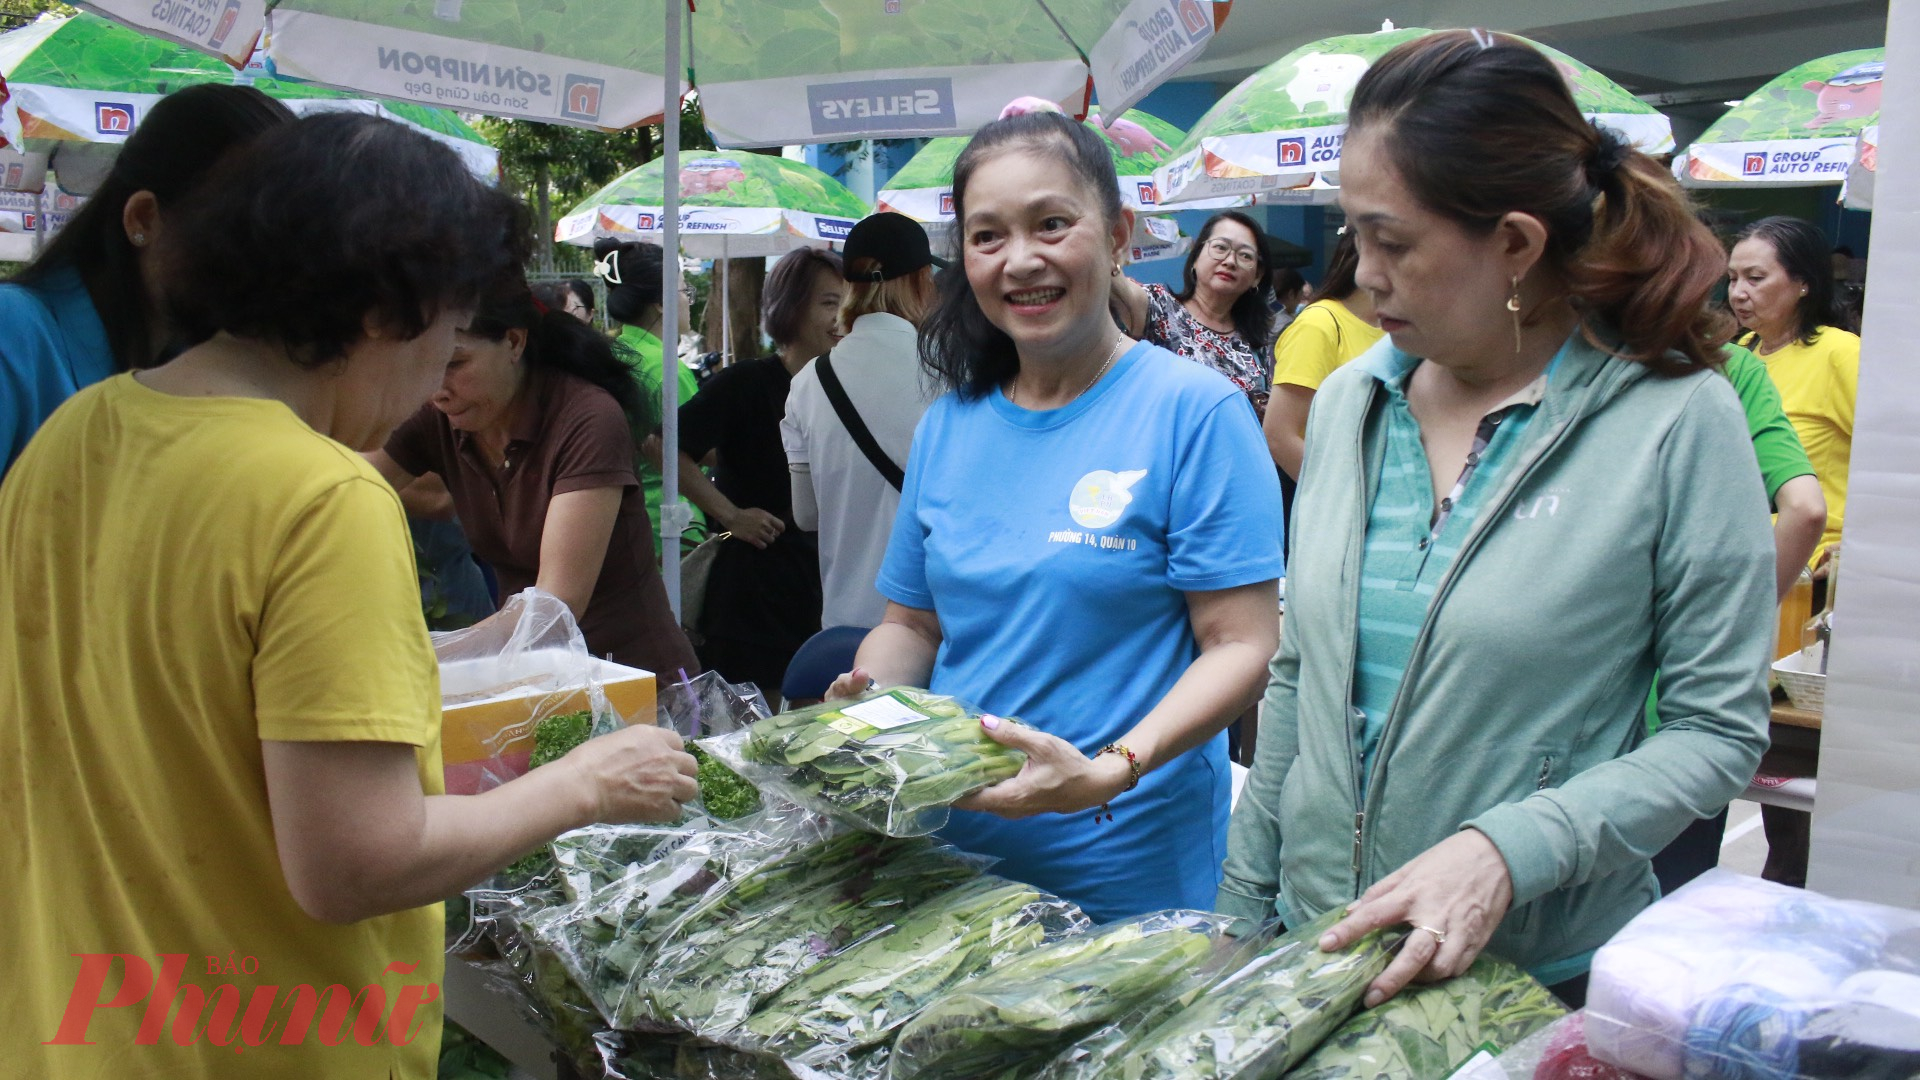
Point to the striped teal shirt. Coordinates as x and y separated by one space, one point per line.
1410 544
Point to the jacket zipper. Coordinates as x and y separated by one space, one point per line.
1546 773
1356 553
1472 543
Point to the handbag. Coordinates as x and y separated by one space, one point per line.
696 568
856 427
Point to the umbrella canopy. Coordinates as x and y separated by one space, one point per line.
1858 193
85 79
769 73
731 206
1283 126
1799 129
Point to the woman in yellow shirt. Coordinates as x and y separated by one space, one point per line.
1780 286
1336 325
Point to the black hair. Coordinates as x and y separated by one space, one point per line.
783 300
181 139
1252 318
958 346
556 341
641 268
1844 249
319 230
583 292
551 295
1802 251
1285 280
1342 265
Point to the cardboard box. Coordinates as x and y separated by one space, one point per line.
489 708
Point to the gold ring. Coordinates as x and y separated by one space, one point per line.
1439 936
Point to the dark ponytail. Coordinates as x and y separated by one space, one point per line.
1342 266
1481 125
634 271
556 341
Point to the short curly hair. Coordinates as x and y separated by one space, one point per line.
320 231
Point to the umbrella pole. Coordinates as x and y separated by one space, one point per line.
726 305
670 511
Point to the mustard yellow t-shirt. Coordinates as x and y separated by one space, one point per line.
1818 384
181 578
1322 337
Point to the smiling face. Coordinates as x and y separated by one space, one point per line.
1227 262
1764 297
1440 289
1039 255
819 325
480 382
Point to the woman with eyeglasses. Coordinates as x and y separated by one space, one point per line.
1220 316
633 272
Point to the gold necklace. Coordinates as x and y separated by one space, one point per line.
1119 346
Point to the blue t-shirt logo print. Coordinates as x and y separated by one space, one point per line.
1102 496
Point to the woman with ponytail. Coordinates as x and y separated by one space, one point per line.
531 431
633 271
1535 495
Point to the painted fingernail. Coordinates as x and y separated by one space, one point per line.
991 723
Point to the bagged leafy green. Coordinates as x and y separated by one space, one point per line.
627 1056
1265 1018
721 960
707 705
861 996
887 761
1026 1010
1428 1032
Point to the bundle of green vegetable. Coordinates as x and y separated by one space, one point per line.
1262 1020
1428 1032
553 738
887 761
725 957
1023 1012
722 791
861 996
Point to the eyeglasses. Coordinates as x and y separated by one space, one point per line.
1243 257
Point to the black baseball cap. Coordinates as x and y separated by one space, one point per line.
895 241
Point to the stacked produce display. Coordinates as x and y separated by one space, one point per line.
800 923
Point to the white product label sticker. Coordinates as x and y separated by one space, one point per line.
884 712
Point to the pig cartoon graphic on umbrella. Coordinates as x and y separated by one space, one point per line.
708 176
1852 94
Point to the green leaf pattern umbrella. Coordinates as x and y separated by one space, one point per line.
731 205
1283 126
1799 129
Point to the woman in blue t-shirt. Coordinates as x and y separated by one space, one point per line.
85 308
1088 539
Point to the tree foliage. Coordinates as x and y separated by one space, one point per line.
18 13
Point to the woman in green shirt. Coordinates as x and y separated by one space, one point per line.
633 273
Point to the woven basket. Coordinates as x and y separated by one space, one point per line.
1800 674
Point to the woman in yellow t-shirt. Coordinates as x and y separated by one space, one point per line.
226 839
1336 325
1780 286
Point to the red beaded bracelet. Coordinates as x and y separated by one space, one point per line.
1133 781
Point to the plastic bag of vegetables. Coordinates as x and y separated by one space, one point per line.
1023 1012
1264 1018
1428 1032
861 996
888 761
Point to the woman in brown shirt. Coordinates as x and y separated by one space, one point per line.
530 432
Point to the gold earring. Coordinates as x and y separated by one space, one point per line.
1513 305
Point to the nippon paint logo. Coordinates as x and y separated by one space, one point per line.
225 26
580 97
881 105
1197 22
946 204
1149 195
832 228
112 117
646 222
1754 165
1291 151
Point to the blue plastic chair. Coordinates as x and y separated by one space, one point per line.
825 657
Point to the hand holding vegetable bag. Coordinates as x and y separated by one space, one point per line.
1025 1011
888 761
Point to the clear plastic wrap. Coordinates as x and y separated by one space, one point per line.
888 761
1556 1052
627 1056
1737 977
860 997
1256 1023
705 706
1429 1032
1020 1014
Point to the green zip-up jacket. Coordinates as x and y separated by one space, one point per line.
1629 534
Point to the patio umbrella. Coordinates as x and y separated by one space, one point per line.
731 205
1283 126
1138 141
87 80
1800 129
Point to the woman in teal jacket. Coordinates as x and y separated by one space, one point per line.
1535 495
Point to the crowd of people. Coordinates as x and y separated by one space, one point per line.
1542 498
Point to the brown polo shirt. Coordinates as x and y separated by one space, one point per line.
573 438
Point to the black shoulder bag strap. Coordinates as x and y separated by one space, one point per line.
856 427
